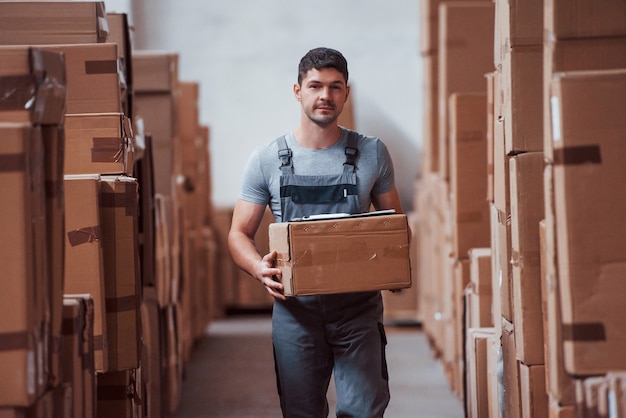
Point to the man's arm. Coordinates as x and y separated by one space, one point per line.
246 220
388 200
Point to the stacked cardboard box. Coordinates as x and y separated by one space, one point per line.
180 296
550 322
108 313
32 88
584 317
451 192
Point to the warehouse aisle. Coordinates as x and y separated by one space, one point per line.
231 374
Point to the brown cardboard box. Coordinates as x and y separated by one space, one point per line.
495 394
429 25
342 255
468 171
566 19
118 213
163 252
93 78
477 401
119 34
205 204
117 394
172 359
403 306
188 119
32 85
454 344
84 262
188 291
441 223
527 209
227 271
430 152
52 22
209 259
522 69
500 159
512 401
520 23
54 143
155 71
481 283
143 171
465 55
158 112
560 384
576 55
152 352
98 143
62 401
501 267
588 158
533 391
25 286
78 365
491 122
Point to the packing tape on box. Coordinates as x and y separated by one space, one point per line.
108 149
10 341
49 68
101 67
84 235
12 162
127 199
122 304
584 332
574 155
17 92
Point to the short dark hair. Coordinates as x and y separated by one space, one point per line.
319 58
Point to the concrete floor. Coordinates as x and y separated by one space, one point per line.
231 374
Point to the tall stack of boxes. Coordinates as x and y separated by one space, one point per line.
107 241
539 314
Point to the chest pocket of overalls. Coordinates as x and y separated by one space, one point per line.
310 195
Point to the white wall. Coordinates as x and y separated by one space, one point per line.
244 54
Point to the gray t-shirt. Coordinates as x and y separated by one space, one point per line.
261 176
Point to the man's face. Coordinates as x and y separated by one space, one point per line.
322 95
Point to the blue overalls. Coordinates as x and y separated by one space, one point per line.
313 334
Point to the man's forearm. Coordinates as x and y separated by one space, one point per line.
244 252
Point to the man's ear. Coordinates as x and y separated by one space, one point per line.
296 91
347 92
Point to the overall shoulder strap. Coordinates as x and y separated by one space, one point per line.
351 151
284 153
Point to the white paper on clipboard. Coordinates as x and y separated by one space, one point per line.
326 216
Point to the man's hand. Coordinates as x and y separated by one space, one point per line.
270 276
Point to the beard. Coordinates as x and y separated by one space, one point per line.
324 119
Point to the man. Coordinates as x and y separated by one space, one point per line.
320 167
